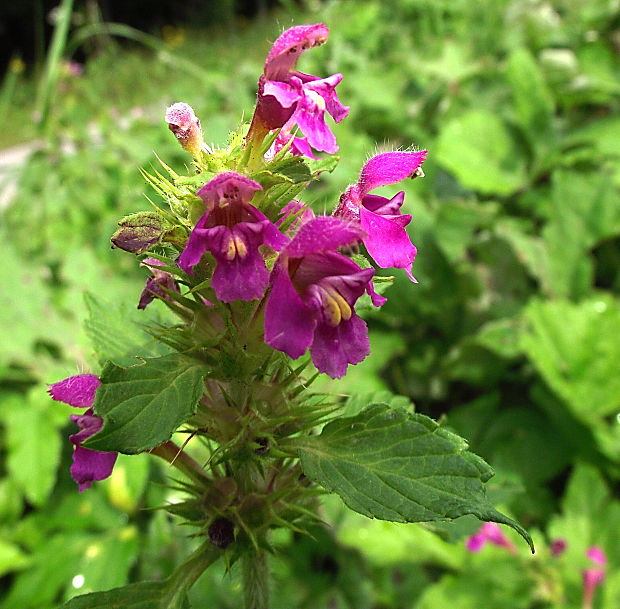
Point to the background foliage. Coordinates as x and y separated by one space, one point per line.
510 337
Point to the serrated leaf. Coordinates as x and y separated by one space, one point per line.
144 595
143 405
400 466
320 165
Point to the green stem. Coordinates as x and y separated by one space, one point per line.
174 455
186 574
255 574
47 88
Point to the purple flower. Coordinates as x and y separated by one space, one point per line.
558 547
232 230
386 238
287 97
186 127
492 533
156 285
299 145
88 465
313 293
594 576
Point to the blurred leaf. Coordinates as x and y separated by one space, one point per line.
33 445
145 595
54 563
143 405
390 464
478 149
575 348
107 561
127 482
11 557
117 334
532 98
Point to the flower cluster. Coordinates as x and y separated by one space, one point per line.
238 234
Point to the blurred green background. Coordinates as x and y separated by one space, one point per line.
511 337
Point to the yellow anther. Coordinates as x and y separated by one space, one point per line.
332 310
242 250
231 250
336 307
236 247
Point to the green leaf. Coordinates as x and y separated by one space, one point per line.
33 445
532 98
11 557
478 149
144 595
117 334
396 465
318 166
143 405
575 349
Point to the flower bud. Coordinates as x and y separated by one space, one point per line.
186 127
221 532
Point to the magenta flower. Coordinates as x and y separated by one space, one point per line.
232 230
558 547
186 127
88 465
313 293
386 238
594 576
299 145
156 285
287 97
492 533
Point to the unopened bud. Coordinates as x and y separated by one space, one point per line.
139 232
221 532
186 127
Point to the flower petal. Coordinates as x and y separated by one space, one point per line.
283 92
91 465
289 324
384 206
322 234
387 242
290 45
197 245
78 390
230 186
334 348
389 168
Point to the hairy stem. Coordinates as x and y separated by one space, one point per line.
255 572
174 455
189 571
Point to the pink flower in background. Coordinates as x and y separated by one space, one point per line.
489 532
88 465
232 230
287 97
313 294
594 576
558 547
386 238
